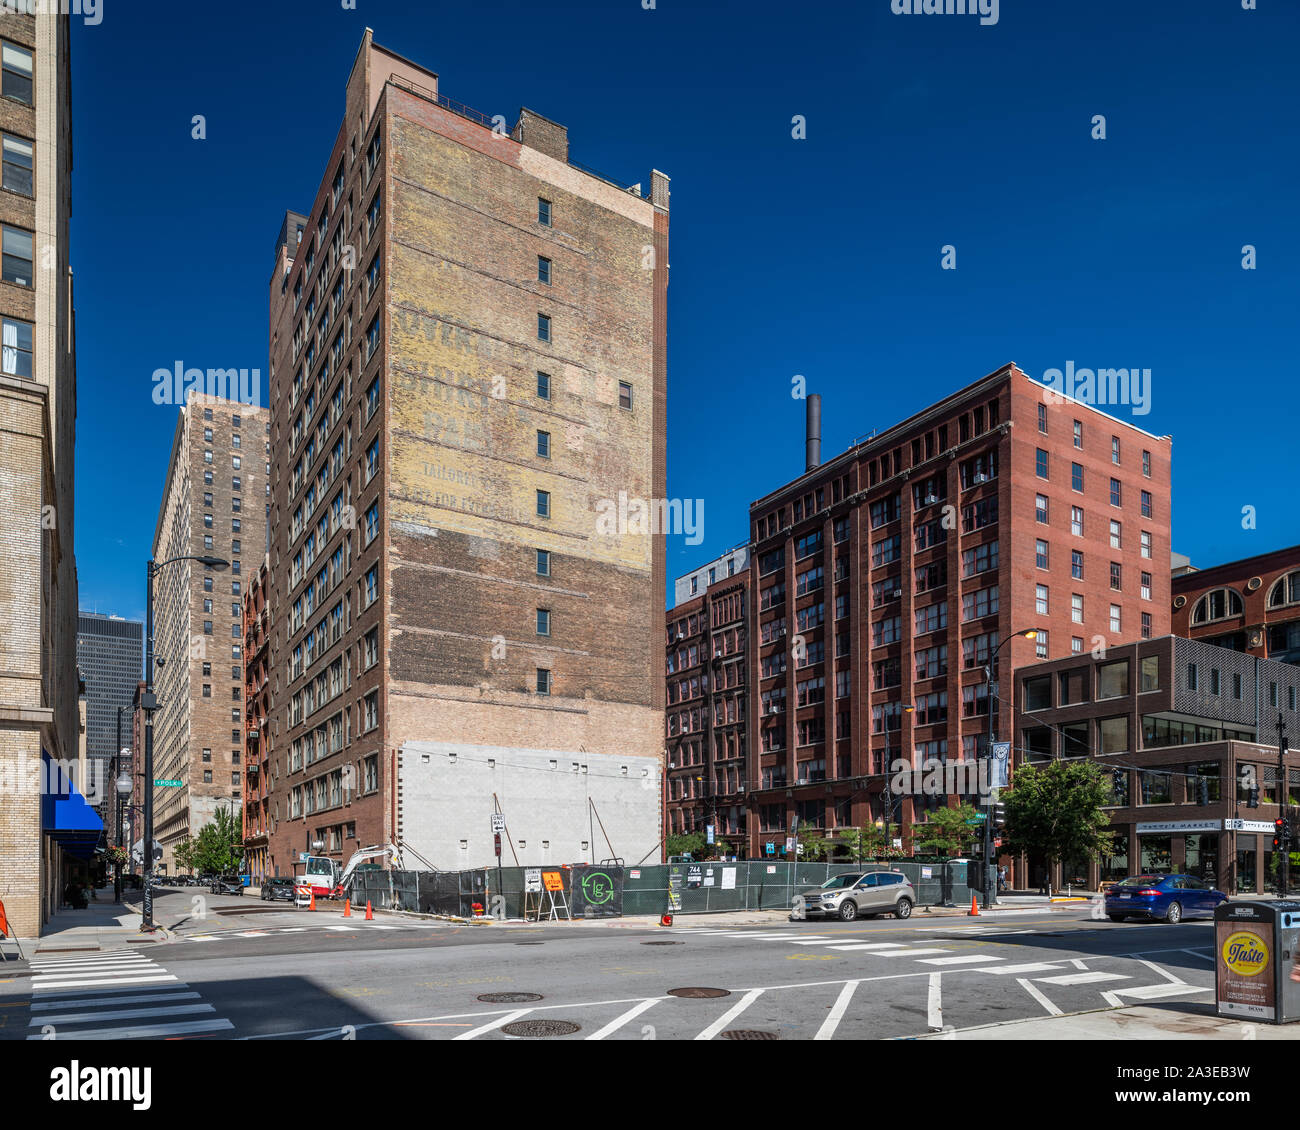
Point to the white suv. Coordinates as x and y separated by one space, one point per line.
851 895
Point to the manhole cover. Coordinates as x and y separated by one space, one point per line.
748 1034
509 998
663 943
697 991
540 1028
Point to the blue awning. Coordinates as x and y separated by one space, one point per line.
65 815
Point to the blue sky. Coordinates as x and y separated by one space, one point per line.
818 257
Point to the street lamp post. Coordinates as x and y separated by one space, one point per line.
987 854
117 768
147 701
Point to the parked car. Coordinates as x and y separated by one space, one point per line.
227 885
1166 898
277 890
850 895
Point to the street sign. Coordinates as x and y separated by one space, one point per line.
979 818
498 823
533 880
769 849
168 784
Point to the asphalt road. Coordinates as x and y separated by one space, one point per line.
289 974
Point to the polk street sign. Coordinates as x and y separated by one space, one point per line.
168 784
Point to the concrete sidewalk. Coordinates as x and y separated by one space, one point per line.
1182 1021
102 926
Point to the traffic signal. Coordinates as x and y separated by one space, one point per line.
1252 797
1286 831
1278 826
1202 791
975 875
999 815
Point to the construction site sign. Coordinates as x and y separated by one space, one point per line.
532 880
554 880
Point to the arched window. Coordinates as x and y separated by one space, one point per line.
1286 591
1217 604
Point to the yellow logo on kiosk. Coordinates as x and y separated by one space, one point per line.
1245 953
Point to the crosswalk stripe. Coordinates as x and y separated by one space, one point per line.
78 1000
1029 967
913 952
139 979
70 970
120 1014
145 1031
869 946
968 959
1154 992
58 994
1082 978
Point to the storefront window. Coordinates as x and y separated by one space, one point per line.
1201 852
1115 867
1245 864
1157 854
1114 734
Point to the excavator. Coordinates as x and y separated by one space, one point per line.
391 853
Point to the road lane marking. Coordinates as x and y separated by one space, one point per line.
1028 986
970 959
914 952
836 1014
730 1015
1201 953
869 946
1077 963
618 1022
1082 978
934 1003
508 1018
142 998
1030 967
1155 992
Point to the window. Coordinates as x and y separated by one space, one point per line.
1076 477
544 386
1114 450
1076 607
1112 679
1146 504
979 559
543 504
1040 508
1040 644
544 444
1040 554
543 681
1115 619
543 270
1078 434
1217 605
543 562
543 327
931 618
544 212
1076 521
625 395
16 82
1076 564
1038 693
1146 543
1076 645
16 348
1116 493
16 258
983 602
1042 418
1285 591
1116 534
1040 463
1116 576
543 621
1112 734
17 175
1146 586
1040 599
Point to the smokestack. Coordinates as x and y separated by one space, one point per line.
814 440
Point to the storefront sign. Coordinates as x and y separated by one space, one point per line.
1159 826
1236 825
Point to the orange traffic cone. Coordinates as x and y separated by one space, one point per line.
347 908
370 914
312 905
974 908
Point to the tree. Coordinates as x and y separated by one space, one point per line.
946 832
815 849
220 847
686 843
183 853
1057 811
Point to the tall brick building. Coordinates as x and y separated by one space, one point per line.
1251 605
214 503
38 395
708 701
257 682
467 341
884 579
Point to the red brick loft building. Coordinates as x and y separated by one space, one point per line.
886 578
1252 605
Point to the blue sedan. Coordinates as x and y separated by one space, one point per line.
1166 898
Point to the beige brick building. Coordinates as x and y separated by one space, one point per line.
38 578
468 370
214 504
